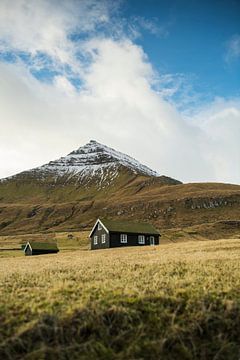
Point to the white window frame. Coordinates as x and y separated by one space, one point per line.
152 240
95 240
123 238
141 239
103 238
99 227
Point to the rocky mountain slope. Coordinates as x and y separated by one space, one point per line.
95 180
91 162
93 170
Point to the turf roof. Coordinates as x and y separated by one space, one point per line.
43 246
129 227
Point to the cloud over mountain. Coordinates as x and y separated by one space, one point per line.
63 82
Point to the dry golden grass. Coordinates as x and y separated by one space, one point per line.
165 253
65 240
136 198
174 301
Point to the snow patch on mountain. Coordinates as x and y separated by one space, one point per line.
93 160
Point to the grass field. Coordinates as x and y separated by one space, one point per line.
175 301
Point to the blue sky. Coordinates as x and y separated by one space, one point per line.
188 38
195 41
122 72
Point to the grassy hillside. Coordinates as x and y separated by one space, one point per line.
174 301
28 208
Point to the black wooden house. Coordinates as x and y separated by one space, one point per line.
40 248
110 233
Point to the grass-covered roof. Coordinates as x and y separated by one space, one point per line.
130 227
43 245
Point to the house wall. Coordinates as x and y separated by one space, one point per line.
44 252
28 251
132 240
99 234
156 239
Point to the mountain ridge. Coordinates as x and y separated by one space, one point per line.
91 160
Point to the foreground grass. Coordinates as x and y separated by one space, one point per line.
177 301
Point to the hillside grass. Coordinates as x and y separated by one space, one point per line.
173 301
27 206
11 244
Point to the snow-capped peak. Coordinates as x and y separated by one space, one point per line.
94 153
95 160
92 161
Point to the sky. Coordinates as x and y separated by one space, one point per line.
158 80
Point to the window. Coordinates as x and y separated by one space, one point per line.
99 226
141 239
95 240
103 238
123 238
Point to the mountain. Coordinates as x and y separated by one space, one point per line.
83 173
95 180
93 162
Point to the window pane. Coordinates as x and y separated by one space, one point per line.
123 238
141 239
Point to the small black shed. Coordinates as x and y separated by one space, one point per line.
110 233
40 248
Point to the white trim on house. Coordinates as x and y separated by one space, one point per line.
95 240
123 238
98 220
141 239
28 243
152 240
103 238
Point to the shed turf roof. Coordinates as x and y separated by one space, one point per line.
43 246
129 227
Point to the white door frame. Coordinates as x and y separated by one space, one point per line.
152 240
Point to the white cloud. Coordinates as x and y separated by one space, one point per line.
117 105
233 48
221 122
44 27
